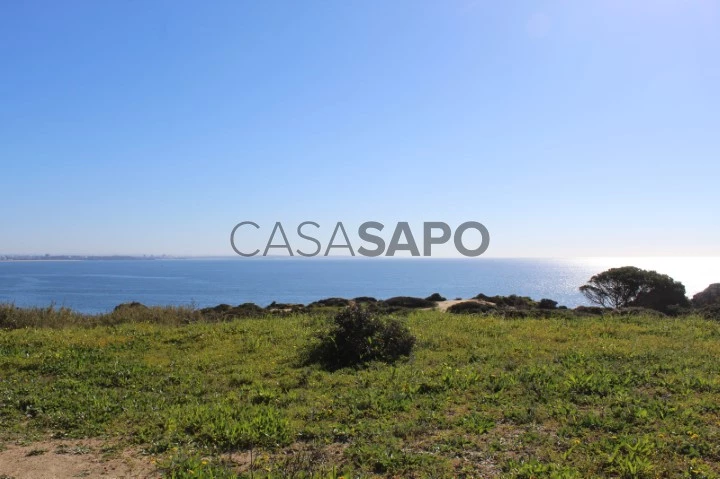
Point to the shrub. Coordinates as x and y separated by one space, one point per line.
357 336
512 301
636 311
130 306
247 309
512 313
547 304
677 310
594 310
219 309
435 297
470 307
342 302
12 317
285 307
707 297
711 312
365 299
409 302
223 312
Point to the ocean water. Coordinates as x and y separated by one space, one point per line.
98 286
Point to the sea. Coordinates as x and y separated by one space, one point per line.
97 286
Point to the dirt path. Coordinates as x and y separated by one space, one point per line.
61 459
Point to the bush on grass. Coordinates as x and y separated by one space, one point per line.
357 336
470 307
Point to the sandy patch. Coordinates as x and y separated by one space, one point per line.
444 305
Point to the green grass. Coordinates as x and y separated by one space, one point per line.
628 397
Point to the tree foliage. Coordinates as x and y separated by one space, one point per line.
616 287
665 295
631 286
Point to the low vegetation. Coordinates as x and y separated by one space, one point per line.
357 336
480 395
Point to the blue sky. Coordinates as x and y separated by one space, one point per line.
567 128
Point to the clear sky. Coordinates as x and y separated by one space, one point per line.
568 128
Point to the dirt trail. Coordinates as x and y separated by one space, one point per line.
61 459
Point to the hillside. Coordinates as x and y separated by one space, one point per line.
481 396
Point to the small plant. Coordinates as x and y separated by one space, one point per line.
477 424
631 458
533 469
36 452
182 467
227 427
358 336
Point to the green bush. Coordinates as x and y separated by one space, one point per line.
435 297
12 317
276 307
226 312
592 310
470 307
636 311
512 313
331 302
708 297
365 299
711 312
547 304
513 301
130 306
357 336
409 302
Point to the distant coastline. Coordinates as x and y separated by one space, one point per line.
47 257
97 286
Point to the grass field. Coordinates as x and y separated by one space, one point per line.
481 396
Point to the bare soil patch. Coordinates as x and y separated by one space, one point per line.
60 459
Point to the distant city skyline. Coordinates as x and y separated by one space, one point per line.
568 129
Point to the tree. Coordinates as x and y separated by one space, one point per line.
631 286
616 287
665 294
